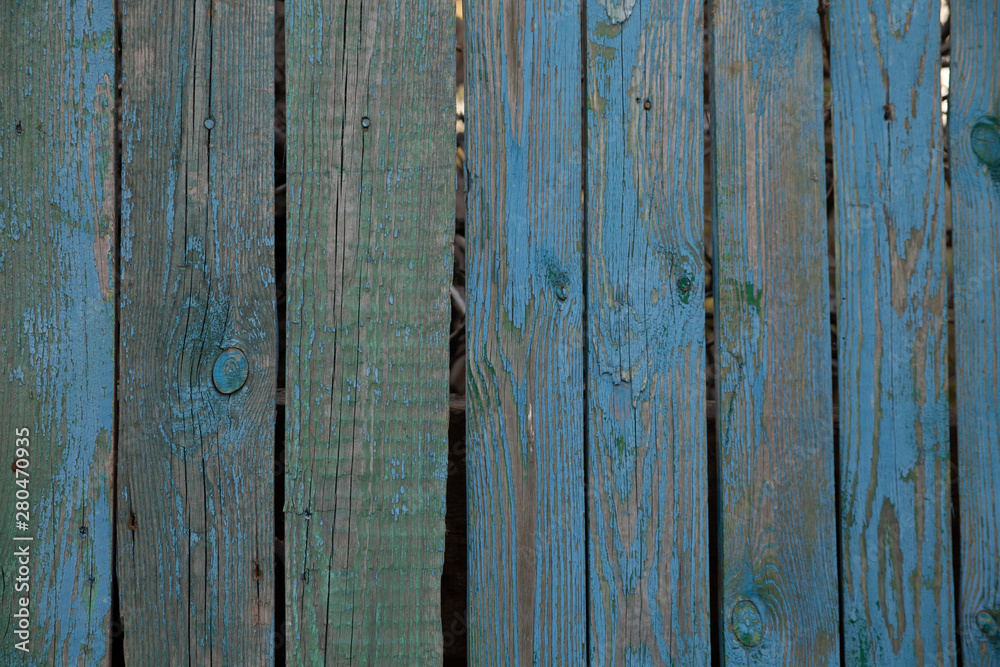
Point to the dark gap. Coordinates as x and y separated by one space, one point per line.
454 574
117 628
956 524
831 240
280 262
711 393
584 290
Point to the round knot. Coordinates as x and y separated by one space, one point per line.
987 624
230 372
986 141
746 623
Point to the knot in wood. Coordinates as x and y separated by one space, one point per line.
746 623
987 624
986 141
230 372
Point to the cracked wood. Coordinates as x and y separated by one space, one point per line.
195 493
371 159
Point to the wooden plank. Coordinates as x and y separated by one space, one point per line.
974 153
897 585
195 506
648 504
776 474
371 160
526 495
57 207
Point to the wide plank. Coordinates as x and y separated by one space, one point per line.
371 160
525 392
57 330
895 511
648 505
197 345
974 154
775 429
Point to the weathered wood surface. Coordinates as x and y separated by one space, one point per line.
525 456
648 505
897 583
974 151
57 197
776 475
371 160
195 492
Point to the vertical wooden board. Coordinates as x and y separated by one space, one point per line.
648 524
195 504
526 504
897 585
57 188
371 160
776 475
974 152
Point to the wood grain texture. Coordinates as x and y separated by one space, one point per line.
974 152
776 475
648 524
897 583
195 505
371 160
526 501
57 180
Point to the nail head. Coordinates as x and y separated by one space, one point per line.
365 122
231 370
746 623
209 123
647 105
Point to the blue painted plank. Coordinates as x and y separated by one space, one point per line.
974 153
371 178
895 515
57 180
648 505
526 503
195 458
776 471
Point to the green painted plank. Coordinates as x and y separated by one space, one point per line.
371 160
525 434
776 473
897 585
57 179
648 506
195 496
974 152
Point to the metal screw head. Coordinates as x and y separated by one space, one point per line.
365 122
647 105
746 623
986 141
209 123
987 624
231 370
562 292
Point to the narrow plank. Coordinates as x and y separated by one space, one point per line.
974 153
57 328
195 505
525 440
897 585
776 471
371 160
648 504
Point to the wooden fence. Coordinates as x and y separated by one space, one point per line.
787 499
